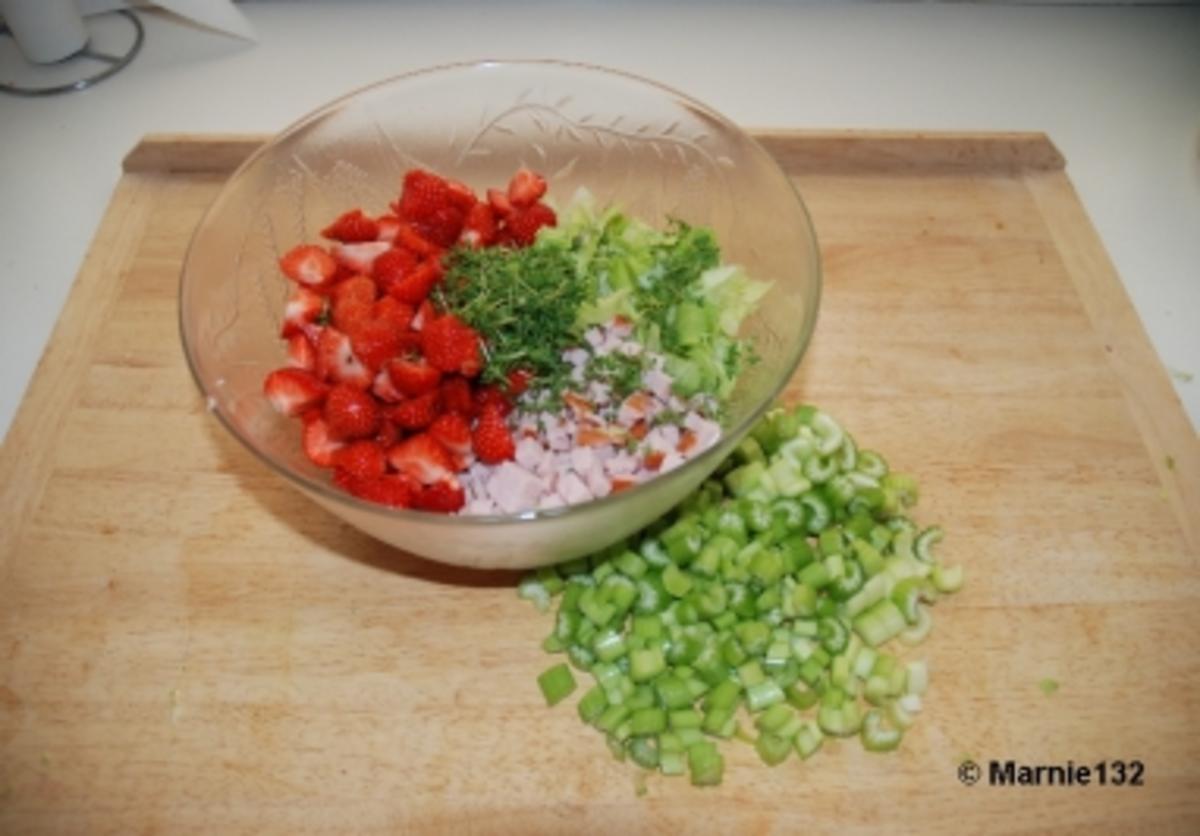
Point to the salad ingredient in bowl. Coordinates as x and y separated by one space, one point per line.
469 354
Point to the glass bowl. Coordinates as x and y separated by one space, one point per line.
652 150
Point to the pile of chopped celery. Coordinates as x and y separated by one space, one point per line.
758 609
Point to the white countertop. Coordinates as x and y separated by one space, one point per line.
1117 89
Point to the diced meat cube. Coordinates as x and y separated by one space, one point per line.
573 489
513 488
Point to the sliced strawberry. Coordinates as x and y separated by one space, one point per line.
389 227
375 342
454 433
395 313
526 188
394 490
442 227
350 413
479 226
451 345
337 362
441 497
518 382
491 397
319 445
499 202
425 313
392 267
352 226
413 241
293 391
388 433
360 256
492 441
456 396
414 288
352 301
423 458
461 196
309 265
415 413
412 376
423 192
523 224
303 308
300 352
383 388
362 460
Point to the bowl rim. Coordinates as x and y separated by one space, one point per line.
323 489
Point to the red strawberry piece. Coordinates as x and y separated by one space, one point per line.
303 308
360 256
451 345
412 240
392 266
523 224
499 202
300 352
395 313
388 433
293 391
413 288
415 413
460 195
352 302
309 265
318 444
423 458
526 188
375 342
362 460
441 497
479 226
413 376
337 362
352 226
442 227
383 388
425 313
518 382
350 412
456 396
389 227
454 433
423 192
491 397
492 440
394 490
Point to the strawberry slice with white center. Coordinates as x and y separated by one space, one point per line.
359 257
303 308
389 228
384 389
300 353
337 362
423 458
319 445
293 391
308 265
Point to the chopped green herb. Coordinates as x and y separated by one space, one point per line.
1048 686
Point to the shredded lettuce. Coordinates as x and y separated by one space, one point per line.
670 283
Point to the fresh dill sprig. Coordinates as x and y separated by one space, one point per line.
523 302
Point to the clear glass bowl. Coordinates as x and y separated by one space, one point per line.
632 142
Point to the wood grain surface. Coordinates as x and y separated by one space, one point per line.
188 645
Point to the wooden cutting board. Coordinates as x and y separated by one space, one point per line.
187 644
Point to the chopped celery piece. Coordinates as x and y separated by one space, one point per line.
557 683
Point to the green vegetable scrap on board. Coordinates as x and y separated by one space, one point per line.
772 594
